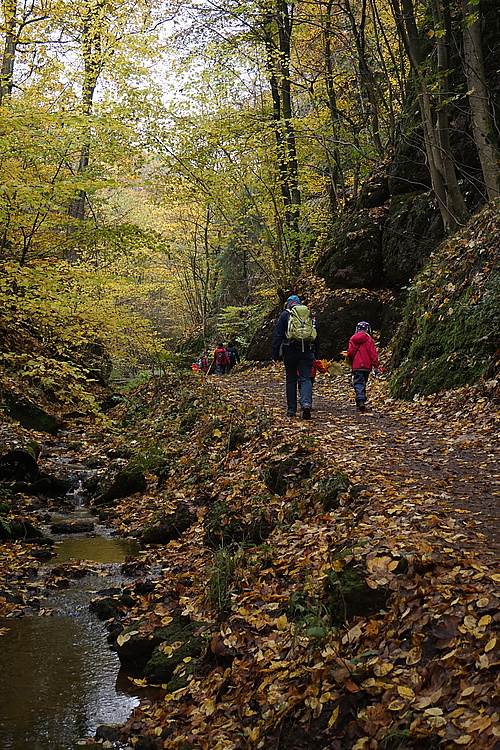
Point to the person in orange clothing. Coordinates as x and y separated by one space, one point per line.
317 366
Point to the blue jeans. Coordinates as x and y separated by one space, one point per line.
360 379
302 361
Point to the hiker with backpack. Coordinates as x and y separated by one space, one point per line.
233 354
363 358
296 341
221 359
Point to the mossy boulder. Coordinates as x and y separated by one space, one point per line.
349 594
122 483
166 658
18 466
224 525
449 336
353 258
328 489
290 468
169 525
160 653
413 230
29 415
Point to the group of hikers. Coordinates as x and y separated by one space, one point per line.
224 359
296 342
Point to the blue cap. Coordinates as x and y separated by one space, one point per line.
293 298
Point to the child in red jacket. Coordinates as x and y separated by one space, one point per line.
362 356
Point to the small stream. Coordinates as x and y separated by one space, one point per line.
59 678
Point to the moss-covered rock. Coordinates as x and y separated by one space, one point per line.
450 332
328 489
126 482
169 525
349 594
289 468
160 653
29 415
353 257
225 527
412 231
166 659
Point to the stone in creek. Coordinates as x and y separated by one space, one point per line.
72 527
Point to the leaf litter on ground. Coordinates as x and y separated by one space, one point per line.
280 669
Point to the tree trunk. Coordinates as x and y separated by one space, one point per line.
278 68
434 109
92 59
11 39
482 121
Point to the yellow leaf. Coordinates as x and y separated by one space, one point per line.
467 691
209 707
435 711
485 620
396 705
217 433
483 602
124 638
406 692
414 656
464 739
480 724
382 669
361 744
333 717
281 622
490 645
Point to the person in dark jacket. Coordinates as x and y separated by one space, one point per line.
362 356
298 359
233 355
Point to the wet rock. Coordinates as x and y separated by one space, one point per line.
30 416
169 526
18 466
127 482
146 651
50 486
21 529
105 608
108 732
72 527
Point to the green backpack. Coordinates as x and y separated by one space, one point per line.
301 325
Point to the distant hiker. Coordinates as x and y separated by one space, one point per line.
221 359
233 354
296 341
363 358
203 363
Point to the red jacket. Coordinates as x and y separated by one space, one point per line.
361 352
221 357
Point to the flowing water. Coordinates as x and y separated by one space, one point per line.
59 679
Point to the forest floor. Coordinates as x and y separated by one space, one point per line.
443 450
421 671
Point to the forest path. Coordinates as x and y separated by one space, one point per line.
442 451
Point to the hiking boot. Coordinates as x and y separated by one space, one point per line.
306 412
361 405
290 413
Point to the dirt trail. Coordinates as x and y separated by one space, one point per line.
442 451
